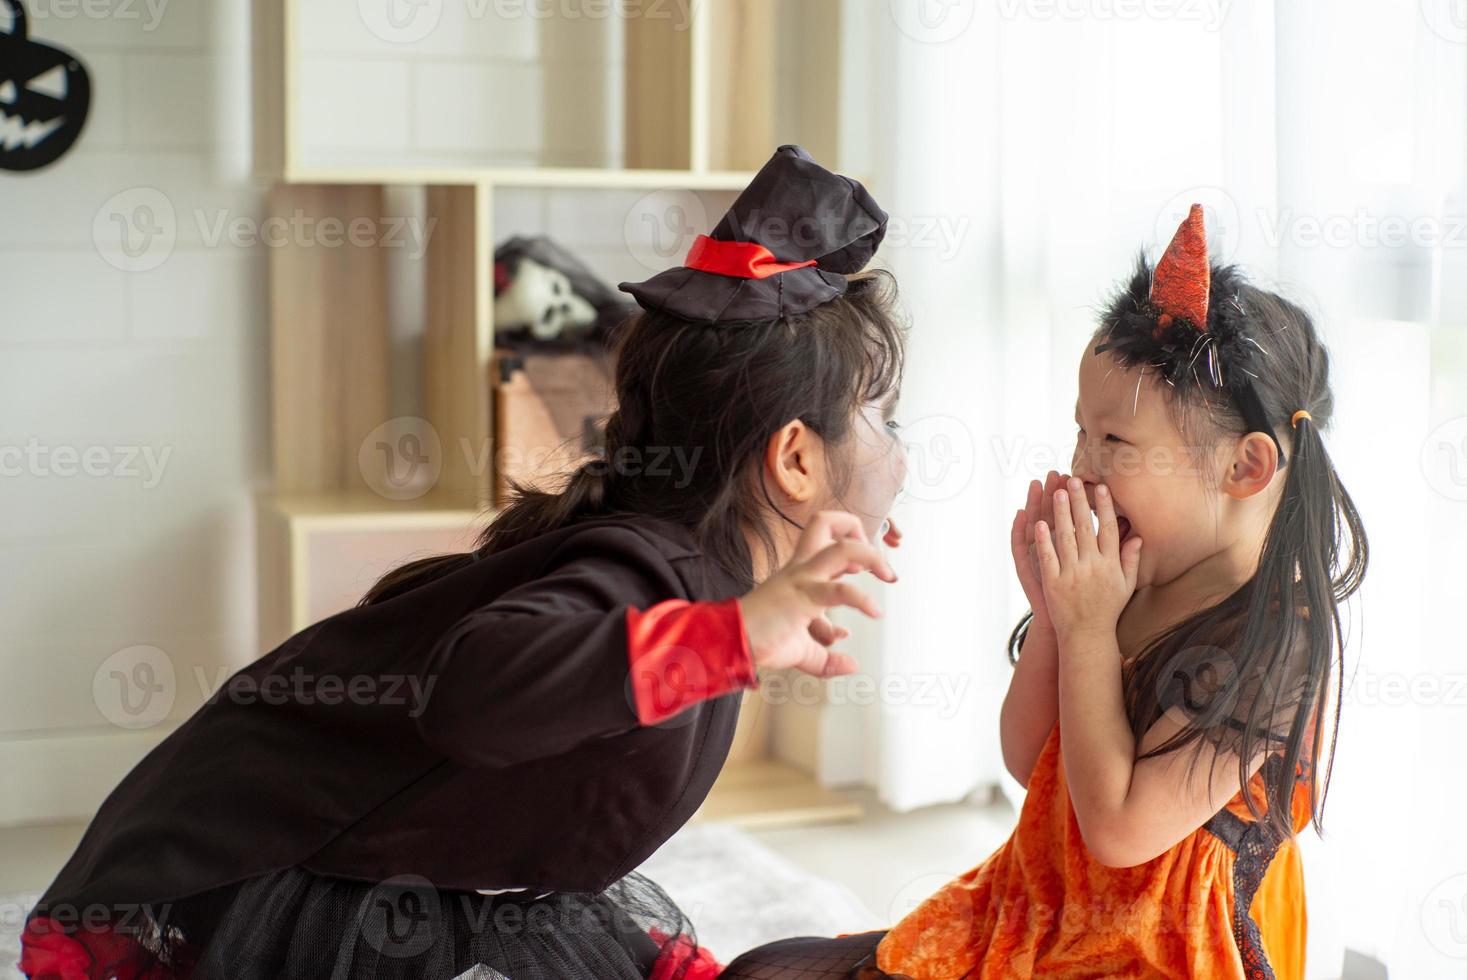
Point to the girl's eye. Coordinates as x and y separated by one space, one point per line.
893 425
1108 437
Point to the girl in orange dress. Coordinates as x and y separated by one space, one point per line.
1169 699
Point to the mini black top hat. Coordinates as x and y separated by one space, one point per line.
784 247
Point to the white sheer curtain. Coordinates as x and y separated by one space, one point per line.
1026 149
940 182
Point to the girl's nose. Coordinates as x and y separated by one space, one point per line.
1080 467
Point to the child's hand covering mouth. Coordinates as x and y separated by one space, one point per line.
1123 523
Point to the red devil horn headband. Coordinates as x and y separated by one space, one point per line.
1180 284
1166 326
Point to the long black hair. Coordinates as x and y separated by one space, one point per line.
709 397
1253 672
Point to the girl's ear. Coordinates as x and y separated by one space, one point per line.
1251 469
791 461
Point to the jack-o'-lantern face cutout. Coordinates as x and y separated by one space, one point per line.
44 95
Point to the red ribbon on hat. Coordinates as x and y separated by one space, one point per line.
742 260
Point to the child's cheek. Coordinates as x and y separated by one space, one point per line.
1129 463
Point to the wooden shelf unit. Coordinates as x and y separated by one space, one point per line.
319 551
701 108
702 99
701 111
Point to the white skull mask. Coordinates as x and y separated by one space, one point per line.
541 299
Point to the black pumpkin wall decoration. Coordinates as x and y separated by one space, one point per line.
45 94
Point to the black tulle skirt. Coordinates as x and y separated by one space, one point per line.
292 924
295 925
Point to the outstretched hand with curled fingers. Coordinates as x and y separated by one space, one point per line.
785 616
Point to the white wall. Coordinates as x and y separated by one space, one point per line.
483 82
118 364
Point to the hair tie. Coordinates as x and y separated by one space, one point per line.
1301 414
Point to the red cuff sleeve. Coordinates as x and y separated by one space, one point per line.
682 653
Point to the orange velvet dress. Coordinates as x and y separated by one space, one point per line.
1225 902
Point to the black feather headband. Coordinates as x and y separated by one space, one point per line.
1184 320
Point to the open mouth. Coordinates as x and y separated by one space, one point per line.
15 133
1124 525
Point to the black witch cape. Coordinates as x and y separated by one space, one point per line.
524 767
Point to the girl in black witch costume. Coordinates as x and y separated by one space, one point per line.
573 682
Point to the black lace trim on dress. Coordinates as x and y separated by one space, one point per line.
1255 844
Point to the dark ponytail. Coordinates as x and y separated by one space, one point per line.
1287 650
696 405
534 512
1280 634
